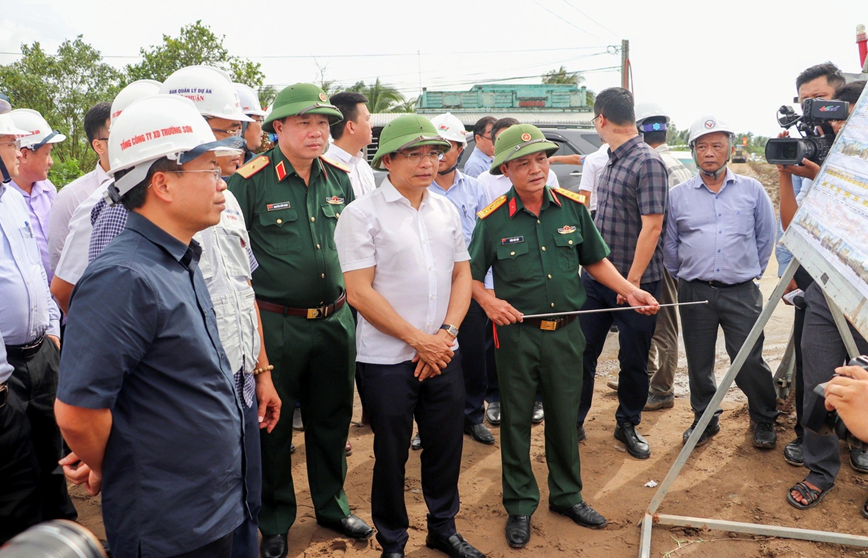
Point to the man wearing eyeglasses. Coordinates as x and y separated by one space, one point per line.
97 124
30 442
482 156
250 131
291 199
405 262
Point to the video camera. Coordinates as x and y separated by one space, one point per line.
814 145
824 422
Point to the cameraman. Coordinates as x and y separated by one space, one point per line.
823 351
847 393
819 81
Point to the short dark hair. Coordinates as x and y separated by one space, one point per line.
616 104
502 124
850 92
136 197
348 103
482 124
830 71
94 120
654 138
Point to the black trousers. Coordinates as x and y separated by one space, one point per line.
394 397
471 339
221 548
32 485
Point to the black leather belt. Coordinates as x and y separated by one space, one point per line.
26 351
550 324
309 313
719 285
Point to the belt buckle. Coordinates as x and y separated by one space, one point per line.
548 325
313 313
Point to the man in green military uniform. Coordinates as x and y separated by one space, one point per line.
534 238
291 199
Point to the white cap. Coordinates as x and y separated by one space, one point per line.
250 104
450 128
136 90
645 111
707 124
37 132
160 126
210 90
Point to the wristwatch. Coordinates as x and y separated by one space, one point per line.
450 329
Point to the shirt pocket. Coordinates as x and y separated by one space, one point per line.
278 231
30 246
234 251
332 213
512 261
568 255
741 222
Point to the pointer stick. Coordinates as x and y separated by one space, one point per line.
556 314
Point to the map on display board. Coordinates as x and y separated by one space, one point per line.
829 233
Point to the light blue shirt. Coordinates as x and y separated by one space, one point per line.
467 196
26 308
477 163
726 237
800 187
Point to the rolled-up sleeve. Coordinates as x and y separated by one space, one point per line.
105 342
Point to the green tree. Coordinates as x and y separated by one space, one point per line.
408 105
561 75
196 44
383 98
62 88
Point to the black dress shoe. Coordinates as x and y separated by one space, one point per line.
637 446
273 546
582 514
710 430
793 453
538 413
351 527
518 531
479 433
392 555
416 443
492 413
455 546
859 458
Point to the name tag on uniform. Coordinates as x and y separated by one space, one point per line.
512 240
567 229
276 206
334 200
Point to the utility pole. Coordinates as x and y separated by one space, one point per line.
625 64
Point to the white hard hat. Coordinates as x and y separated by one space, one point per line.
8 127
210 90
4 104
450 128
250 104
37 132
136 90
645 111
707 124
155 127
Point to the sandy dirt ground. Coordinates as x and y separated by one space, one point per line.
726 479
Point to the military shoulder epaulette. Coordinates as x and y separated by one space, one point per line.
571 195
482 214
336 164
254 166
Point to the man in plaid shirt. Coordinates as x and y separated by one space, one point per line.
632 194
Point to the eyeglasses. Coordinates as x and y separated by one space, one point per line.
233 131
487 137
596 117
416 156
101 139
215 173
13 143
255 118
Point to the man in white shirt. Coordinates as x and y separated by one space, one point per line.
405 263
97 124
350 137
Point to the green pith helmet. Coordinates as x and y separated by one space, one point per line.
518 141
301 98
406 132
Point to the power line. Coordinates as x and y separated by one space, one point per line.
568 22
570 4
